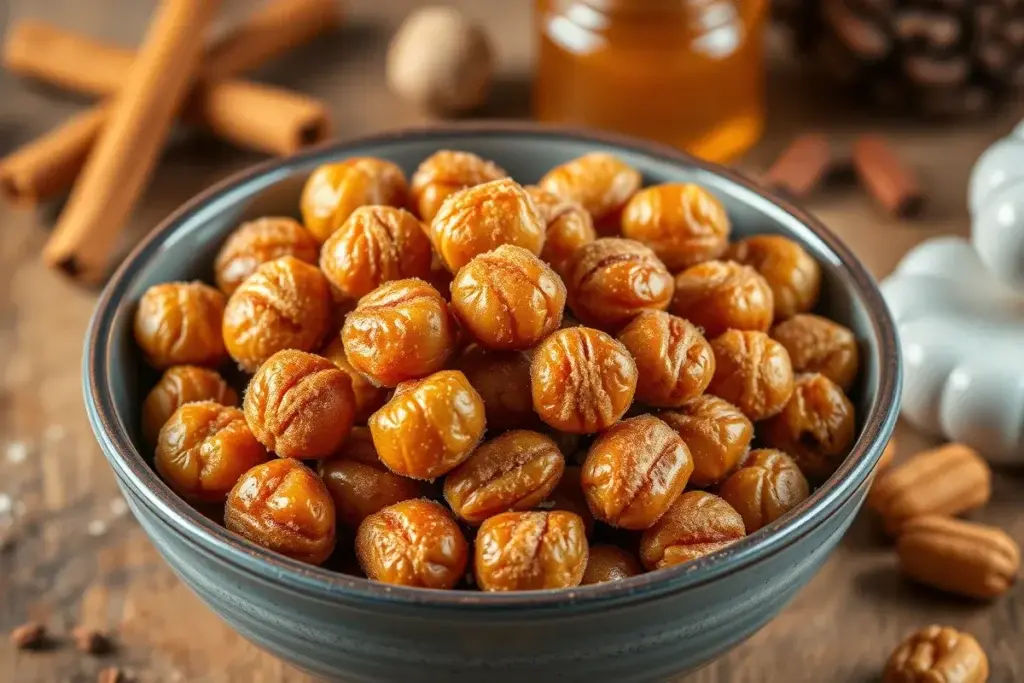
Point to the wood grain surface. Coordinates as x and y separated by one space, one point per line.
73 555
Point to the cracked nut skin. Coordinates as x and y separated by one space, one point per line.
683 223
285 304
609 563
204 448
514 471
698 524
965 558
178 323
634 472
257 242
502 378
753 372
400 331
722 295
284 506
518 551
768 485
674 361
413 543
359 482
508 299
612 280
429 426
335 190
300 405
717 433
368 397
816 426
937 654
817 344
582 380
794 277
568 227
600 182
446 172
568 497
179 385
376 244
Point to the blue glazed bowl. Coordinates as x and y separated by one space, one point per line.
648 628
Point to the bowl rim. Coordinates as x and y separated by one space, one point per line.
176 514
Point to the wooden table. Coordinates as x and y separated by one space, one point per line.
77 558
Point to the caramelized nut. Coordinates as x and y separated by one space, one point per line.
683 223
600 182
609 563
446 172
752 371
179 385
368 397
697 524
940 654
794 277
767 486
569 227
518 551
817 344
503 381
717 433
722 295
178 323
335 190
674 361
254 243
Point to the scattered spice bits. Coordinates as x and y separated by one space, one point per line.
886 177
90 641
29 636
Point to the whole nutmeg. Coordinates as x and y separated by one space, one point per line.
440 60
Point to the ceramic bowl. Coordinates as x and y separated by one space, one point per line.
648 628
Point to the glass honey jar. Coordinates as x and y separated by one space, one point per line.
689 73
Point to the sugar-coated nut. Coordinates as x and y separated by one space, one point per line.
817 344
359 482
697 524
368 397
600 182
674 361
683 223
413 543
179 385
285 304
568 496
178 323
816 426
502 378
400 331
256 242
940 654
335 190
794 277
508 299
611 280
609 563
722 295
204 448
375 244
284 506
582 380
767 486
717 433
483 217
569 227
446 172
300 405
517 551
514 471
753 372
429 426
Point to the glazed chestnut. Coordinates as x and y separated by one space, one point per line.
508 299
375 244
817 344
482 218
697 524
285 304
582 380
767 486
400 331
446 172
611 280
178 323
600 182
609 563
284 506
514 471
722 295
300 405
502 378
568 497
568 227
179 385
518 551
753 372
429 426
204 448
816 426
674 361
335 190
683 223
413 543
368 397
717 433
256 242
634 472
794 277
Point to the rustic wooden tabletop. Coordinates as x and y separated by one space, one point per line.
76 557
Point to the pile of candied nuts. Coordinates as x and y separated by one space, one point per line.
400 323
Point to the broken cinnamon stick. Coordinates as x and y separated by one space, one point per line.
893 185
801 166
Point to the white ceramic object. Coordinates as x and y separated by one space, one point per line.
996 196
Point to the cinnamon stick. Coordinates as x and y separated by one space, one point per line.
886 178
